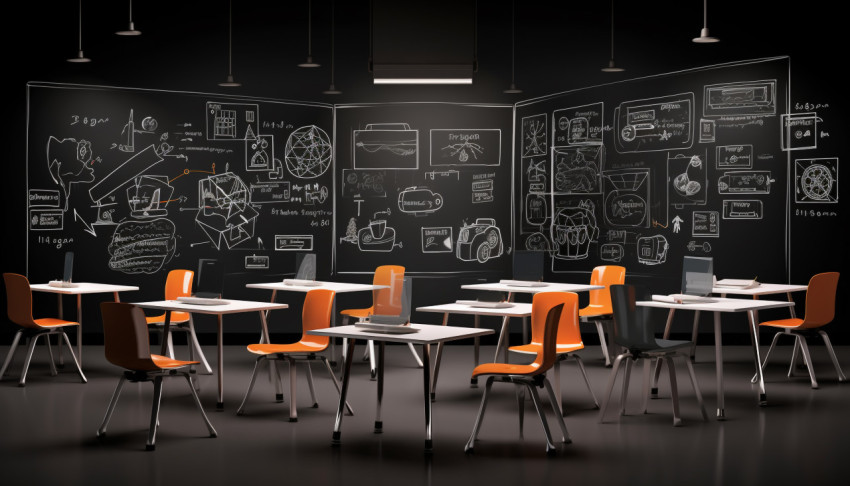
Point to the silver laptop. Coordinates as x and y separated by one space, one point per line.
697 279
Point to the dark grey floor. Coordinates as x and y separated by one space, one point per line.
47 429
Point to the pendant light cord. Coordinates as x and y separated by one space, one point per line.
230 39
80 27
705 14
612 29
513 41
333 17
310 28
131 12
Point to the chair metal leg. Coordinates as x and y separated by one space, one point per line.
74 358
157 398
470 444
557 375
196 345
610 388
293 412
209 425
674 391
170 346
647 365
694 334
624 393
559 418
310 384
53 371
415 354
371 346
807 358
336 384
30 348
101 431
535 398
580 364
379 424
832 356
520 398
795 354
697 392
600 329
241 409
11 353
767 355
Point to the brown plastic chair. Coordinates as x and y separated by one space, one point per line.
384 302
316 314
19 309
178 283
820 311
546 309
599 309
567 343
126 344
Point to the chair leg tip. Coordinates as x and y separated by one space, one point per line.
279 398
150 447
293 419
315 405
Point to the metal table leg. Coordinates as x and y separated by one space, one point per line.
426 380
437 361
349 356
718 363
273 371
754 335
220 404
476 322
379 424
654 390
80 329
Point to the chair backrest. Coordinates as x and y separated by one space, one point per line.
820 300
125 336
568 325
546 310
606 275
632 326
316 314
388 301
19 300
178 284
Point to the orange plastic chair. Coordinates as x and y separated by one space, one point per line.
567 343
127 345
178 283
316 314
384 302
599 309
19 309
820 311
546 309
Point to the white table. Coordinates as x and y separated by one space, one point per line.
80 289
516 310
427 335
231 307
718 306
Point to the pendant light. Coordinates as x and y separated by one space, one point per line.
513 89
309 62
704 38
230 83
611 68
131 30
332 89
80 57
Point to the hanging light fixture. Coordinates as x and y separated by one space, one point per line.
309 62
611 68
704 38
230 82
332 89
513 89
80 57
131 30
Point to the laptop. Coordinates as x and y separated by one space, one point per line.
67 272
527 269
305 271
697 280
209 280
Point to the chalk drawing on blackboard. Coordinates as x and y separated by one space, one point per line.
734 157
611 252
259 153
437 239
68 163
350 232
707 130
576 170
536 209
149 124
88 228
466 146
46 219
536 170
149 196
579 125
743 209
257 262
232 121
315 193
574 229
741 98
269 192
704 247
293 242
626 197
816 180
128 136
363 184
442 174
705 224
377 236
128 170
654 124
418 200
800 131
479 241
308 152
386 146
226 215
142 246
652 250
482 188
534 134
677 224
537 242
745 182
687 180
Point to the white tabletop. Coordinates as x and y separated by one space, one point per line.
84 288
550 287
428 334
761 289
337 287
720 304
231 307
515 310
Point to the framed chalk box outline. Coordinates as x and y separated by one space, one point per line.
816 180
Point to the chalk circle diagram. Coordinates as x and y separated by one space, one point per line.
308 152
817 180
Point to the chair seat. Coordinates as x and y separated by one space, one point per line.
595 311
176 318
783 323
358 312
534 348
53 322
167 363
299 347
666 346
505 369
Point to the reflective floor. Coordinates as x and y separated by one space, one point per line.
47 429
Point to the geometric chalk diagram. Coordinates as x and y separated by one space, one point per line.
534 135
816 180
225 213
687 180
68 163
149 195
573 230
479 241
386 146
259 153
576 170
232 121
308 152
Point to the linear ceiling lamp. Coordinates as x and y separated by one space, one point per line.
131 30
611 67
309 63
80 57
704 38
513 89
332 89
230 83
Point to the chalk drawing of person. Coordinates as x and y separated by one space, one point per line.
68 161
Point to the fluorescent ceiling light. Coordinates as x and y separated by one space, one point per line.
423 80
422 73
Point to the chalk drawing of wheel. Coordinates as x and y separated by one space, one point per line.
816 182
482 254
492 237
628 133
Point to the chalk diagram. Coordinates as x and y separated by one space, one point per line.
314 193
742 98
138 164
707 130
363 183
377 237
308 152
800 131
743 209
419 201
142 246
611 252
537 242
573 230
149 195
225 215
386 146
257 262
534 134
734 157
580 125
437 239
705 224
575 170
536 209
704 247
687 179
482 188
465 146
259 153
626 197
652 250
479 241
816 180
68 162
232 121
654 124
745 182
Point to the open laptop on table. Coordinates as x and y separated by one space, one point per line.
67 273
209 282
697 281
527 270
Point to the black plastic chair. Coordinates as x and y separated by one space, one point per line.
633 331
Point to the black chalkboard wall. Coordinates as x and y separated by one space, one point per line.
138 182
641 173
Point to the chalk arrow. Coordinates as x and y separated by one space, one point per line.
89 228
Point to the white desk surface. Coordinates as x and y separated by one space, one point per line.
720 304
84 288
762 289
232 306
550 287
338 287
428 334
516 310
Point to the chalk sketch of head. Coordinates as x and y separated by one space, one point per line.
68 162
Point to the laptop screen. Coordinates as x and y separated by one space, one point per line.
69 266
209 279
528 265
305 266
697 275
